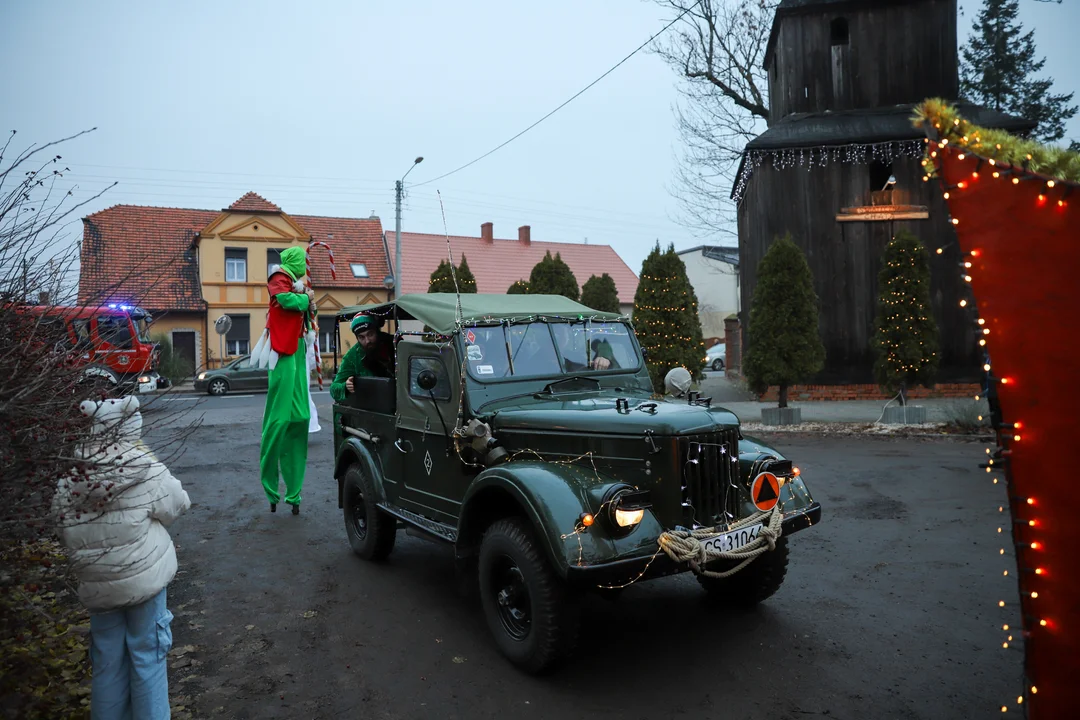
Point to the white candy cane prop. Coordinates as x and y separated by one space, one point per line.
314 311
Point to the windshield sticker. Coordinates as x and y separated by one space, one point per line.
485 370
470 336
474 353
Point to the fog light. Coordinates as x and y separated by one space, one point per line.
627 518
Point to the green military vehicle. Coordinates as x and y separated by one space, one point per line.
523 430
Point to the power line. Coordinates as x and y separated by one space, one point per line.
567 102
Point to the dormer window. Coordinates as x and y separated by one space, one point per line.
838 32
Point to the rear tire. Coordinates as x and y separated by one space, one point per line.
528 609
371 531
755 583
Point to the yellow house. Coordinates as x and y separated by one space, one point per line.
191 267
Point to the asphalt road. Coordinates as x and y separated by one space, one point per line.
889 609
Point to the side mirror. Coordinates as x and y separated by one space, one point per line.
427 380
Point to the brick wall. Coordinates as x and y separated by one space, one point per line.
869 392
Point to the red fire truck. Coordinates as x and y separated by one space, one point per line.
111 342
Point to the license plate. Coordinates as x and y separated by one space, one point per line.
733 539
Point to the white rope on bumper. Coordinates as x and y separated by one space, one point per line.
689 546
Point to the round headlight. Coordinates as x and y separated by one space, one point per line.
202 376
621 520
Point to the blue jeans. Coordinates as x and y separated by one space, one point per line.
128 648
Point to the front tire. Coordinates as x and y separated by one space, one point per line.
218 387
371 531
755 583
527 607
717 364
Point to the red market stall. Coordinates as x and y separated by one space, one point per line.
1016 209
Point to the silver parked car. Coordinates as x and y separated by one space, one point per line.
716 356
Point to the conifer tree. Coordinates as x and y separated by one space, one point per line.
442 280
552 276
465 278
905 333
520 287
600 293
666 317
998 71
783 342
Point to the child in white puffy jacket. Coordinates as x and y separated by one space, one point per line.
113 516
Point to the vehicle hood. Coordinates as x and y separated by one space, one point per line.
599 414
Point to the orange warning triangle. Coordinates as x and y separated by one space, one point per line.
765 491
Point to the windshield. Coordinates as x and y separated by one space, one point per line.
539 349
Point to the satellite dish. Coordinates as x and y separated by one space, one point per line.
223 324
677 381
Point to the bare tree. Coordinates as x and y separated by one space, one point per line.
718 50
43 435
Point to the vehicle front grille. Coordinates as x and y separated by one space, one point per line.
710 472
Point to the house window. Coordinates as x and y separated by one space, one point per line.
273 262
238 339
359 270
235 265
838 32
326 334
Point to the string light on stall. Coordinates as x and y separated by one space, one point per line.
1011 433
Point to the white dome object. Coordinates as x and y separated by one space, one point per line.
677 381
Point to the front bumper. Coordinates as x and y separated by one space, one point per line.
148 382
648 567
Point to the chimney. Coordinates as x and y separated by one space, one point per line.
487 232
524 235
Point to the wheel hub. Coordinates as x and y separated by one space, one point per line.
512 599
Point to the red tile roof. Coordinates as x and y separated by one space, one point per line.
252 202
499 263
355 240
142 255
145 255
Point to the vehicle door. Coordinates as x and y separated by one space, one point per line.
115 342
242 376
434 480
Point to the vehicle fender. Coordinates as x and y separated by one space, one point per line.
355 450
552 497
794 494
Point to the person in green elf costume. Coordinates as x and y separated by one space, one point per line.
284 445
371 356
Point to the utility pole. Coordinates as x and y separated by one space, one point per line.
397 241
398 192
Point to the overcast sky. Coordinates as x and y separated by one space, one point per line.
320 106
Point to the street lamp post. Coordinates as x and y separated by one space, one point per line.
398 186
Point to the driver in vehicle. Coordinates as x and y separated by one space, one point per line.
572 344
371 356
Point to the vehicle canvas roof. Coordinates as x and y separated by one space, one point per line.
439 311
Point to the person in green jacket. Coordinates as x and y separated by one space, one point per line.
371 356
